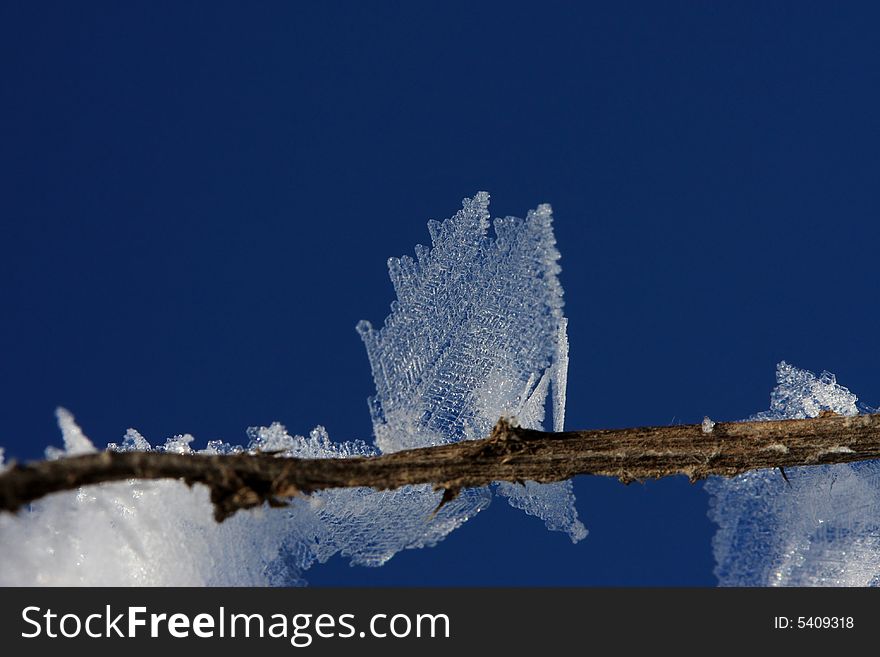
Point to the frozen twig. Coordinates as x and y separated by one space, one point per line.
513 454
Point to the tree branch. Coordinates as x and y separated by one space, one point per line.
508 454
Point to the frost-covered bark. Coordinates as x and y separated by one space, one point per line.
511 454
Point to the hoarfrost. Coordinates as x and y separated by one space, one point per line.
133 441
75 441
822 529
476 333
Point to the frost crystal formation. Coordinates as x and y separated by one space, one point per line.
820 529
476 333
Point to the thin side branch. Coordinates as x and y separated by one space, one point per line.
508 454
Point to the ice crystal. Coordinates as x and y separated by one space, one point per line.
476 333
821 528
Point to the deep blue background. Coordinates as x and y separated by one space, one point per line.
198 200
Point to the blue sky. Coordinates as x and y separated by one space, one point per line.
197 202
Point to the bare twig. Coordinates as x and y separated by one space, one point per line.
508 454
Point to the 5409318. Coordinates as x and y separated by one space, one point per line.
814 622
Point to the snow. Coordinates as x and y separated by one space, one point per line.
822 528
476 333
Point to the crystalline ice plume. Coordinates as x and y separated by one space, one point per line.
476 333
822 528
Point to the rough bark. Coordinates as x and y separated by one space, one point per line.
508 454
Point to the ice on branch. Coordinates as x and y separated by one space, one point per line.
708 425
477 333
821 528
